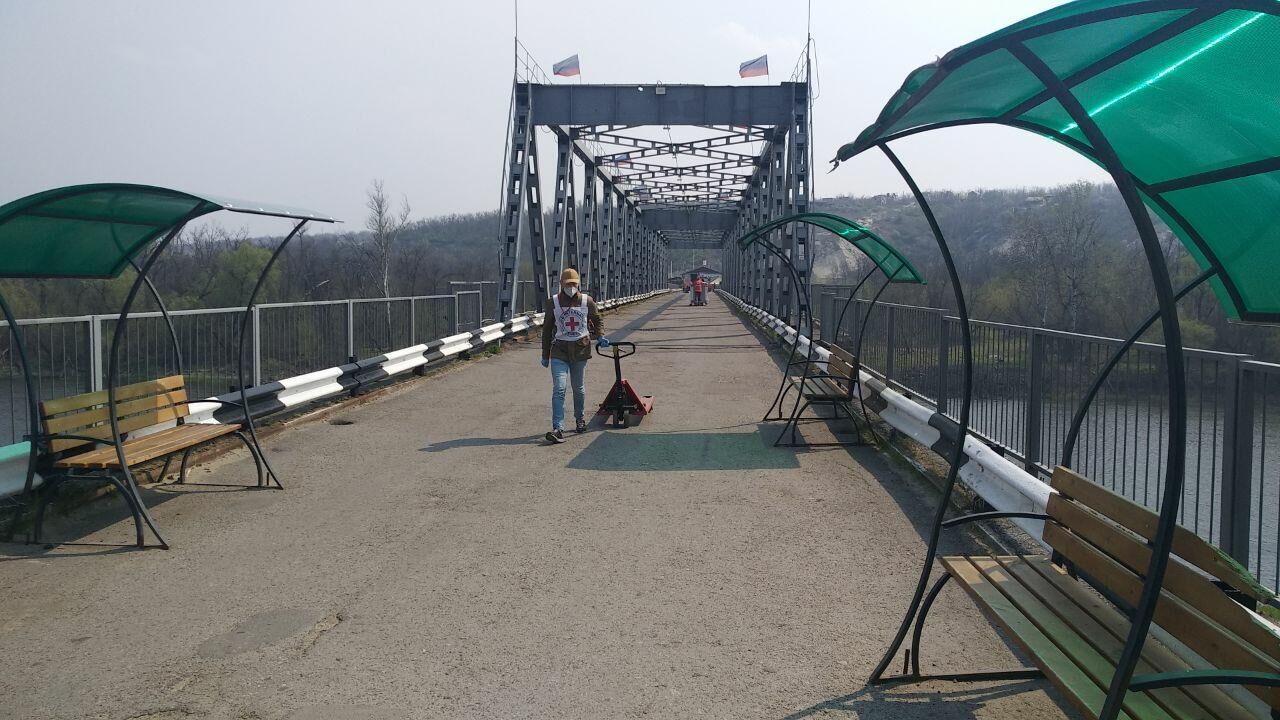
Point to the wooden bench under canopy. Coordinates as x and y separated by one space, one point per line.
98 232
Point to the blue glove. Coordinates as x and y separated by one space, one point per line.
546 362
603 342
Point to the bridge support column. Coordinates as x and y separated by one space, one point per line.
796 236
564 171
780 277
590 245
628 247
572 254
517 176
609 259
537 234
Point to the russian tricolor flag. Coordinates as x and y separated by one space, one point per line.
754 68
567 67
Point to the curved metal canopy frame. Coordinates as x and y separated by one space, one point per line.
885 257
1097 147
148 212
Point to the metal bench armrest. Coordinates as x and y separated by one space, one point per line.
1155 681
996 515
64 436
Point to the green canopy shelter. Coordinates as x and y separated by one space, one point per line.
1177 101
884 258
887 259
98 231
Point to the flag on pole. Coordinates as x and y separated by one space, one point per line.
753 68
567 67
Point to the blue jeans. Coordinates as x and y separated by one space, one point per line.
560 374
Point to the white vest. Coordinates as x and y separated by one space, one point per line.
571 322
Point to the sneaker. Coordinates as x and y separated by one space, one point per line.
555 436
580 426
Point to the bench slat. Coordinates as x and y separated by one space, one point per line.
1186 544
1210 640
151 447
1103 627
124 392
74 422
129 424
820 388
1059 668
1179 580
1069 640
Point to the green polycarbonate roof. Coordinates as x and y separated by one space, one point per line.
892 263
1184 91
93 231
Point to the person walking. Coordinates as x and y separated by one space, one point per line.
699 288
571 319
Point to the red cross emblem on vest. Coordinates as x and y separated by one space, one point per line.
572 324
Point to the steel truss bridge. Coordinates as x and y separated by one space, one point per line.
642 170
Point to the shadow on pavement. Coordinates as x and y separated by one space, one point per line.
68 521
444 445
904 702
674 451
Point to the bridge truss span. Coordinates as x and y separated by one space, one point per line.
642 171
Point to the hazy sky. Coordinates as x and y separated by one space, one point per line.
304 102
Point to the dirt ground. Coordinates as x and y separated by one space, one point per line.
433 559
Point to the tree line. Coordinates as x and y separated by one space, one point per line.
1065 258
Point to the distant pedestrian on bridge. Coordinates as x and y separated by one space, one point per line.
699 291
572 319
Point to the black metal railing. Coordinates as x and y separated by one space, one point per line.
1029 381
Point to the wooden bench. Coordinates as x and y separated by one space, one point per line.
77 429
1074 632
833 387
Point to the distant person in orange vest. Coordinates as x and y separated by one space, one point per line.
571 319
699 287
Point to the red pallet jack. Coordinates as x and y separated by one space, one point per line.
623 401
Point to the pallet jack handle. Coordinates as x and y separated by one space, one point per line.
616 346
617 357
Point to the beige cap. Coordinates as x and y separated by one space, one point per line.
569 276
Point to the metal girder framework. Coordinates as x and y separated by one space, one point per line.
638 105
643 169
589 247
537 236
796 235
559 211
517 176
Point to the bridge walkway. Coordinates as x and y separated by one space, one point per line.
430 558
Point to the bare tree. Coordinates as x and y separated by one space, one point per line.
1055 253
385 225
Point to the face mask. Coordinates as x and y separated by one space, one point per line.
570 290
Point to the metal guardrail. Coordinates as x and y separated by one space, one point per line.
1028 382
68 354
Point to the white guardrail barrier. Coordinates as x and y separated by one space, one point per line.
1004 485
293 392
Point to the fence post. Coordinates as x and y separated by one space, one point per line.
351 331
256 318
413 321
1237 463
889 332
825 315
944 359
457 308
96 369
1035 406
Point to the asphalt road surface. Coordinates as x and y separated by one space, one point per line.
432 558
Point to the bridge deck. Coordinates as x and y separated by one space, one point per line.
432 560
